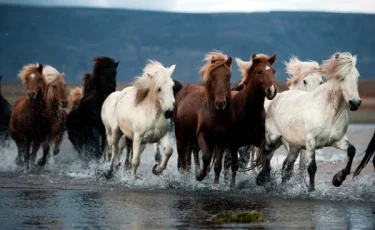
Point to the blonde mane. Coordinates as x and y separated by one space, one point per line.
75 96
50 73
244 66
298 70
150 80
27 70
214 59
340 65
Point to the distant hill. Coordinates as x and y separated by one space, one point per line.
68 38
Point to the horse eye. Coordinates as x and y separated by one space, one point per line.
259 72
321 82
159 90
54 86
304 82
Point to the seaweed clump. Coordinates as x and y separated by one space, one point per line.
239 217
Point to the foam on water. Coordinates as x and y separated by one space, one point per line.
65 167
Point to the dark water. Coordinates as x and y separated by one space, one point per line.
64 195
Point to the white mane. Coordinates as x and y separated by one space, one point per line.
50 73
340 65
298 70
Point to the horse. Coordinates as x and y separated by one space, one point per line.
30 123
369 152
248 105
109 120
5 111
75 97
313 120
84 125
303 75
141 114
203 116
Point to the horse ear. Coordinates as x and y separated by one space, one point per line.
229 61
149 75
171 69
62 75
40 68
116 64
253 57
272 59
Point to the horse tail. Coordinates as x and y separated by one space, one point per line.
75 98
261 158
369 152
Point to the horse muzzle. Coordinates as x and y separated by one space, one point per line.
271 92
64 103
354 104
168 114
220 105
32 95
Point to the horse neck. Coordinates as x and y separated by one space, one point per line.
52 105
253 98
331 98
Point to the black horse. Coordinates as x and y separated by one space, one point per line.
5 111
369 152
84 124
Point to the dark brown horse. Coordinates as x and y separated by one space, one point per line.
203 115
5 111
369 152
248 104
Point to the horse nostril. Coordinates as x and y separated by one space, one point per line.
168 114
355 103
220 104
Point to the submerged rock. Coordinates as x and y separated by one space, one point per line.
239 217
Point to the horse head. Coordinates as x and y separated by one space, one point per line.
304 75
56 90
259 72
32 77
104 74
341 69
216 76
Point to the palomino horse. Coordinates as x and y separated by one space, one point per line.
248 104
84 124
141 113
109 120
75 97
203 116
304 75
369 152
5 111
313 120
30 119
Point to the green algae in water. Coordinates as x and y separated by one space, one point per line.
239 217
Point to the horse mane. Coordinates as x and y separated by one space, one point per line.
101 63
26 71
148 81
339 65
50 73
214 59
88 84
76 95
244 66
298 70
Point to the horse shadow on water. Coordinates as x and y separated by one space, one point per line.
84 125
5 111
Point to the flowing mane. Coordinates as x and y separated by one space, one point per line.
298 70
244 67
50 73
214 60
340 65
150 80
27 70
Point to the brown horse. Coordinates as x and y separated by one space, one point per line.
203 115
75 97
248 104
30 122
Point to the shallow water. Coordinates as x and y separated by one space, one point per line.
65 195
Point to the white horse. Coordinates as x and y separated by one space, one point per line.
313 120
141 113
305 76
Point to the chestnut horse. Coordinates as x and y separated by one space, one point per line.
84 125
248 104
30 123
5 110
203 115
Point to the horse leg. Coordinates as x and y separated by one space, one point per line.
254 153
26 153
58 141
218 163
234 165
244 156
114 142
46 147
196 158
129 151
227 162
266 152
138 148
206 156
158 158
168 150
182 152
345 145
288 164
303 162
20 153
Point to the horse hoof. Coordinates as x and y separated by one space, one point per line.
42 162
200 176
154 171
19 162
336 182
311 189
108 174
262 178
